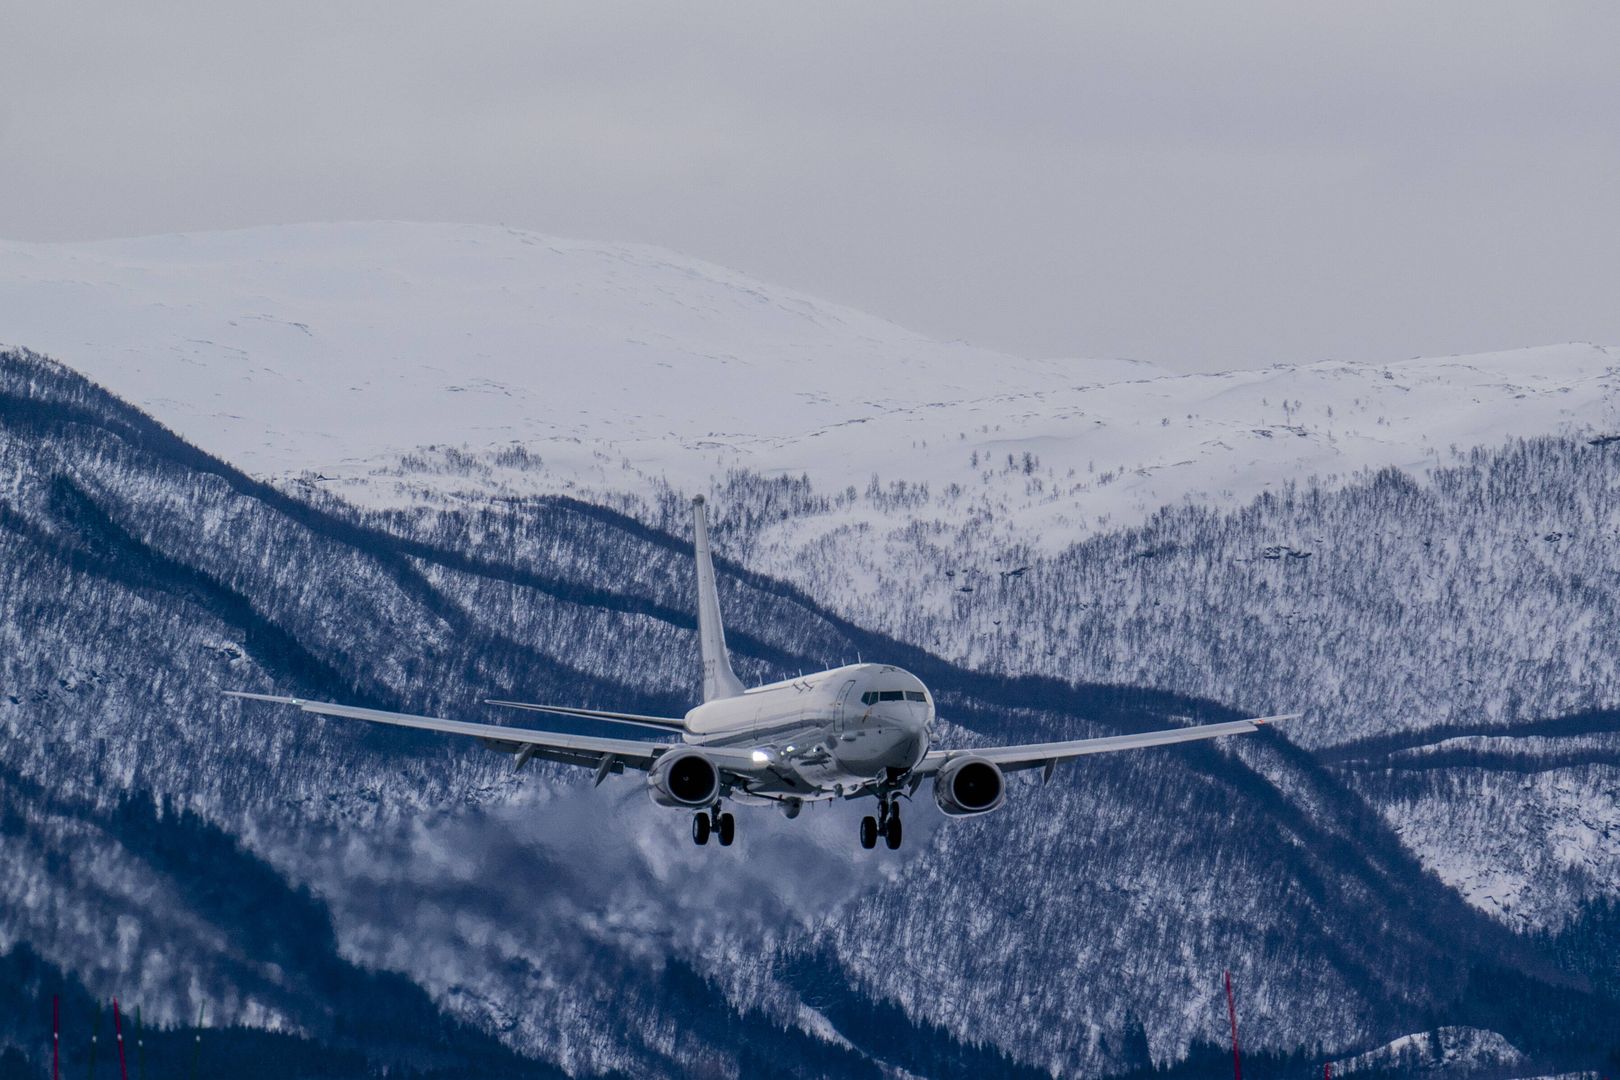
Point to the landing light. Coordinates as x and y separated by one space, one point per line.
762 757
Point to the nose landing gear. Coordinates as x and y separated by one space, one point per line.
724 826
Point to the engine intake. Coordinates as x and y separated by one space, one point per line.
684 779
969 785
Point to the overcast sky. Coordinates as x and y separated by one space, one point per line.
1202 185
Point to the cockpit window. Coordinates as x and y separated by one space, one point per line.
872 697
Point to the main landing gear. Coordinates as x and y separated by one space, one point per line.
886 825
714 823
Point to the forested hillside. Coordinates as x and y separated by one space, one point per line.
179 851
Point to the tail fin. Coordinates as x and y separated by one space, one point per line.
719 681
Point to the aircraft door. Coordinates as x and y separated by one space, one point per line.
842 706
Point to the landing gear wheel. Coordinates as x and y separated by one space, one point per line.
869 832
700 829
727 828
891 832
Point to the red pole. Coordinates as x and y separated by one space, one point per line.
118 1026
56 1037
1231 1014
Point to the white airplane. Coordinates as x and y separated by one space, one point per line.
852 732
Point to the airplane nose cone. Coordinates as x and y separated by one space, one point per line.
915 726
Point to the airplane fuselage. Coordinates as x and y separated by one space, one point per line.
822 736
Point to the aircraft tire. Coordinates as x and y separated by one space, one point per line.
869 832
891 832
700 829
727 830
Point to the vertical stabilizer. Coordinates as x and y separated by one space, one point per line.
719 681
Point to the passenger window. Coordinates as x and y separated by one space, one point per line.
915 695
894 695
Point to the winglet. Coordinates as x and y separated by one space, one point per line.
1280 718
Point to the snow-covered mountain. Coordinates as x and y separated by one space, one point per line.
139 577
338 348
316 347
620 371
996 518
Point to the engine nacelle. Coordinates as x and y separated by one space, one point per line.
684 778
969 785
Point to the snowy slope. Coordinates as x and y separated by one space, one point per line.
309 346
1446 1051
1520 846
334 348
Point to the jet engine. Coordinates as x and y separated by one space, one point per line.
684 778
969 785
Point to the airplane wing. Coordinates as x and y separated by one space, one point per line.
604 755
663 723
1047 755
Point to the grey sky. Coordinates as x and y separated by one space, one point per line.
1197 184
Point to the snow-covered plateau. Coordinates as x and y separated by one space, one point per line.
336 348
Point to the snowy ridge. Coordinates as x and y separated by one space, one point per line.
1446 1051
